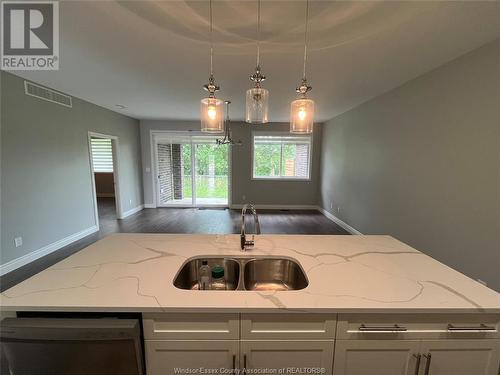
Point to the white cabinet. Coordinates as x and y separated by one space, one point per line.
294 343
278 355
460 357
431 344
178 343
416 357
376 357
170 357
287 342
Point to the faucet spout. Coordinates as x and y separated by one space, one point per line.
245 244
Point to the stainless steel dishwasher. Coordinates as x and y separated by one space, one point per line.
55 346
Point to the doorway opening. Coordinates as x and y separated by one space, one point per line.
191 171
103 161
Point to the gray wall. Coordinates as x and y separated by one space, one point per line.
46 192
255 191
422 163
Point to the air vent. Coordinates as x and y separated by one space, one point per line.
40 92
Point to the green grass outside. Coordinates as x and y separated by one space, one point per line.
203 188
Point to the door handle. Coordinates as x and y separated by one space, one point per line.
481 327
417 365
428 358
395 327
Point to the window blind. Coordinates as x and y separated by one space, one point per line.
273 139
102 154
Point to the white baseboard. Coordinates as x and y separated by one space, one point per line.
34 255
335 219
131 212
278 207
149 205
105 195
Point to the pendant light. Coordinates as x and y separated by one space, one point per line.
228 140
212 120
302 109
257 98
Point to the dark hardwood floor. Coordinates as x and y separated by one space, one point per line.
180 220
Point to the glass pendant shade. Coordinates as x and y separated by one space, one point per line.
211 114
257 105
302 116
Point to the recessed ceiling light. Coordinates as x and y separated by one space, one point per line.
121 106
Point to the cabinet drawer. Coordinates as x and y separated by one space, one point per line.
191 326
288 326
409 326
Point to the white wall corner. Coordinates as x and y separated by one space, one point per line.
34 255
336 220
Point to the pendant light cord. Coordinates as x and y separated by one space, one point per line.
258 32
305 39
211 42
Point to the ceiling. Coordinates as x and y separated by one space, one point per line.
152 56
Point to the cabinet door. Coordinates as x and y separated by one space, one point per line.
167 357
376 357
276 355
460 357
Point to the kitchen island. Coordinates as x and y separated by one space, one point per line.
372 305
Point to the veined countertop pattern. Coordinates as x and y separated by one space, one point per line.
135 272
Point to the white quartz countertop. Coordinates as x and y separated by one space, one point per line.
135 272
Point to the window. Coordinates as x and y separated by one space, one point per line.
102 154
281 156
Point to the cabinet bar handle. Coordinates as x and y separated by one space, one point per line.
417 365
395 327
244 364
234 363
428 357
481 327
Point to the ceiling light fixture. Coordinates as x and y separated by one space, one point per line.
302 109
257 98
210 107
228 140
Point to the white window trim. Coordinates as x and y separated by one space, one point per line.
281 134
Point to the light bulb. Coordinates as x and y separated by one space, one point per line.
211 112
211 115
302 116
302 113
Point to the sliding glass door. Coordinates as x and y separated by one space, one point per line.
212 171
192 171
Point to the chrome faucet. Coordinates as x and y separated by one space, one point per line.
244 243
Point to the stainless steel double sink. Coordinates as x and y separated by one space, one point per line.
256 274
